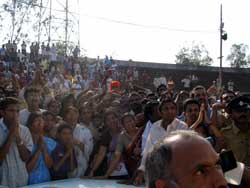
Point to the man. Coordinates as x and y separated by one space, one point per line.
15 146
199 93
160 130
151 112
32 98
237 135
171 164
196 120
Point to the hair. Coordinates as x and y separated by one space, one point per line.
195 89
107 113
160 86
148 109
159 158
48 113
69 108
6 102
226 92
125 115
63 126
190 101
32 117
165 101
30 90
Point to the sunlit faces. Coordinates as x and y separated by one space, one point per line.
192 112
168 111
201 95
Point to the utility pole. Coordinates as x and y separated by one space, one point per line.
40 20
66 26
13 14
78 22
221 31
223 36
50 18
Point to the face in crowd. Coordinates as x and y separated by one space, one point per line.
200 94
192 112
111 121
33 99
168 110
129 123
71 116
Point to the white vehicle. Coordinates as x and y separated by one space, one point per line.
81 183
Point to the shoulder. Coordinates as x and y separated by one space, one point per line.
50 143
180 123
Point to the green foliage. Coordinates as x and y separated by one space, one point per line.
196 55
238 57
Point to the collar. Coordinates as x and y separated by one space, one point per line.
236 130
3 126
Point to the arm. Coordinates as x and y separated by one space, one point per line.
113 164
47 158
4 150
73 163
30 165
100 156
57 164
23 151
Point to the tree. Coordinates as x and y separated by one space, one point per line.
238 57
196 55
20 13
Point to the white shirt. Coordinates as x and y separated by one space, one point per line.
84 135
145 135
13 171
157 134
186 82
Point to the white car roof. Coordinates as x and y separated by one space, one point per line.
81 183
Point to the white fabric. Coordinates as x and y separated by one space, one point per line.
186 82
12 169
157 134
84 135
145 135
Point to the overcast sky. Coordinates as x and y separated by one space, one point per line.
155 30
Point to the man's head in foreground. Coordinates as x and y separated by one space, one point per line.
184 159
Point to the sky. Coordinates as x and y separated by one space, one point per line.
155 30
160 28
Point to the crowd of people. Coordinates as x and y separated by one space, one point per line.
81 118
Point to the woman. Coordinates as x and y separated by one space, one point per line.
107 146
128 146
82 139
64 161
40 162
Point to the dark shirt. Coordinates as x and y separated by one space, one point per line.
57 155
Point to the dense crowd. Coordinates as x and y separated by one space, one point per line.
75 117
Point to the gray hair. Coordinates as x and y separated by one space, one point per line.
158 160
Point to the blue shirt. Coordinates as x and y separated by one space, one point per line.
41 172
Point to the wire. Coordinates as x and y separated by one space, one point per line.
151 26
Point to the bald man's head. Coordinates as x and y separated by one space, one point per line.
181 159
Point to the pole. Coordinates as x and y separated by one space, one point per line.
40 20
79 34
50 17
66 27
221 32
13 14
